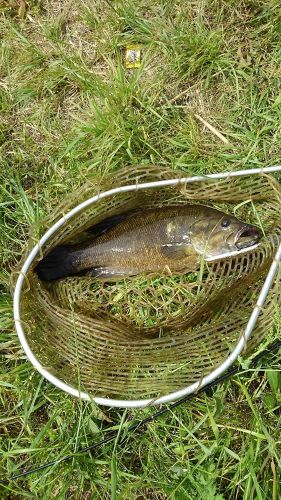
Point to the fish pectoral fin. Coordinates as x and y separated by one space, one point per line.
110 272
177 251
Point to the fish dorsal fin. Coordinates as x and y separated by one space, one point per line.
108 223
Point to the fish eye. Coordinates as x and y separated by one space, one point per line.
225 223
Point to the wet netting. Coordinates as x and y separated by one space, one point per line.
148 335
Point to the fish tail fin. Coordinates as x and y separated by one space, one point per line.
57 264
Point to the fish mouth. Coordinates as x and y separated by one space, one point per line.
247 237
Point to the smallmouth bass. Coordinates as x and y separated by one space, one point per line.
174 237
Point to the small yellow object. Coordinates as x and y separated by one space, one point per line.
133 56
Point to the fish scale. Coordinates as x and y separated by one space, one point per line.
136 245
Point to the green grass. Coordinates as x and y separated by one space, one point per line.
69 110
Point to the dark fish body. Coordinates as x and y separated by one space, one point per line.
174 238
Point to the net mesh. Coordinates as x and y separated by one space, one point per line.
148 335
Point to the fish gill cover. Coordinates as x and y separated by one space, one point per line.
147 335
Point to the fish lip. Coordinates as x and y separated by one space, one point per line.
252 232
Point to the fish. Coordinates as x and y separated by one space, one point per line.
174 238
